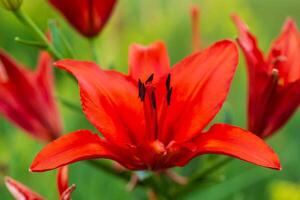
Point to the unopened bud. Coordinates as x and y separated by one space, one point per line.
11 5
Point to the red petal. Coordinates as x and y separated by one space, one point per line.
236 142
147 60
14 111
259 75
109 100
200 85
20 191
19 76
28 111
288 48
63 184
248 43
282 107
45 85
62 179
88 17
80 145
67 193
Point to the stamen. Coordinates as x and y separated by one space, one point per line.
169 94
168 82
142 90
195 15
153 100
275 73
169 89
276 79
150 79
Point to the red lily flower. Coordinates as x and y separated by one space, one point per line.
154 118
86 16
21 192
274 81
26 97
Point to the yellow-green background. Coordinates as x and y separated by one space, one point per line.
145 21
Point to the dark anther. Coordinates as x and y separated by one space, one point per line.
169 94
153 100
168 82
150 79
142 90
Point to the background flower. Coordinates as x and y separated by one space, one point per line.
87 16
27 98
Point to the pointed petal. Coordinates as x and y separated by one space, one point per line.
88 17
200 85
147 60
76 146
287 48
62 179
63 183
259 75
283 106
248 43
44 77
67 193
14 111
23 109
109 100
16 73
20 191
238 143
45 85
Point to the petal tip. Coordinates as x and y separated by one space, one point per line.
60 63
277 165
7 179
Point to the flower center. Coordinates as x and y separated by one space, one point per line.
148 95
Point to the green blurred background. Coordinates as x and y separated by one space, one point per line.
144 22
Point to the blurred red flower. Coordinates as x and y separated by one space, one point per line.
21 192
26 97
274 81
87 16
154 118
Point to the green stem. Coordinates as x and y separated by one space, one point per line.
28 22
93 50
194 182
30 43
125 176
207 172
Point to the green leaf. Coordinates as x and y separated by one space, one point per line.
59 41
36 44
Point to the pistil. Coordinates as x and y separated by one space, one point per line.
148 97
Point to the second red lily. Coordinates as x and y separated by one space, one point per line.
154 118
27 99
274 81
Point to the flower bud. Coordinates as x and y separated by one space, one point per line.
11 5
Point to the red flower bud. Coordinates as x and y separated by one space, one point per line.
87 16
